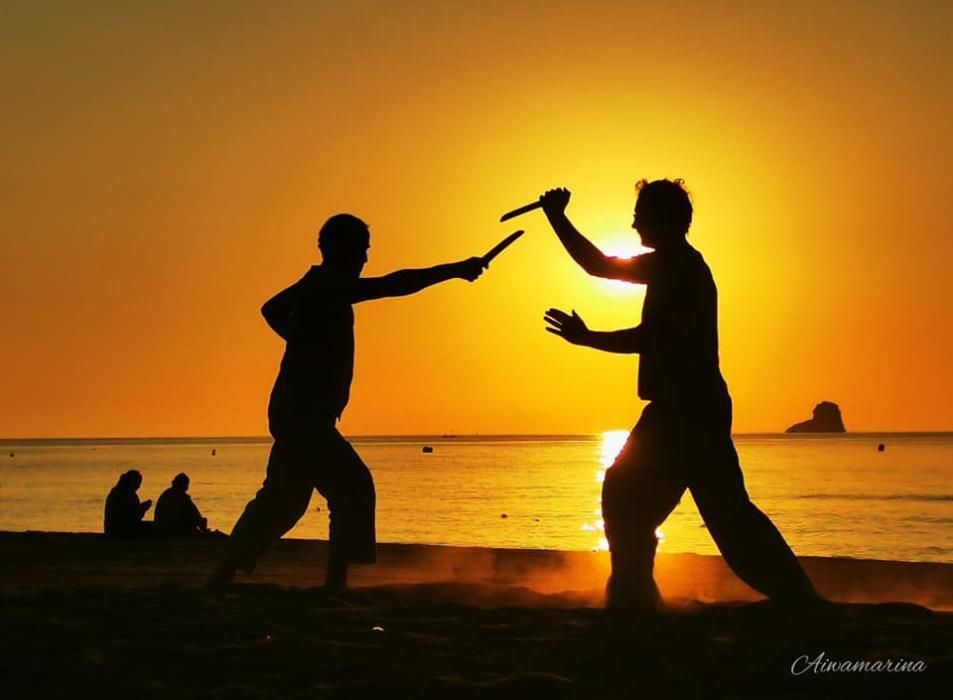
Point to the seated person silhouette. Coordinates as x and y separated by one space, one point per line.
315 318
124 513
683 438
176 514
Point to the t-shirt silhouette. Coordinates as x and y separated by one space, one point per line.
314 382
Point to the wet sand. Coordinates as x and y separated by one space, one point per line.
84 616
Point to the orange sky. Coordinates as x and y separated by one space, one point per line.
165 169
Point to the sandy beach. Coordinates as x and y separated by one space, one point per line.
83 615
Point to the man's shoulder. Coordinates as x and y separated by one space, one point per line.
691 257
680 266
322 286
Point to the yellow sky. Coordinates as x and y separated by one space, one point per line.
165 169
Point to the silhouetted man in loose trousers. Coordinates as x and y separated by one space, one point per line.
315 318
683 438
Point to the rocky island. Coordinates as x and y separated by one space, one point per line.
826 419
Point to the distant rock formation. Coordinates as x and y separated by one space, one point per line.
827 419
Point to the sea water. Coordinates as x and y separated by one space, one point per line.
829 495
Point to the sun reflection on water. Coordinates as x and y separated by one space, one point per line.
612 443
609 447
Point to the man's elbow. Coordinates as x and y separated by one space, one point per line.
279 329
280 332
271 316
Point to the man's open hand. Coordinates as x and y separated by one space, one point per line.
572 328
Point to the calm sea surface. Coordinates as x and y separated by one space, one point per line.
830 496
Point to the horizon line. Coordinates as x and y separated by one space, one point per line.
443 436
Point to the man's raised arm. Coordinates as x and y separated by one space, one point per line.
404 282
582 250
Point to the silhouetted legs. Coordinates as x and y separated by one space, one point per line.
662 457
349 490
747 539
635 501
280 502
640 489
326 462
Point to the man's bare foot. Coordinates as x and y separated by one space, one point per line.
631 600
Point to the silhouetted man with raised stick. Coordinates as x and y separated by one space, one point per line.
315 318
683 438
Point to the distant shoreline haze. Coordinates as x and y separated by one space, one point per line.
411 438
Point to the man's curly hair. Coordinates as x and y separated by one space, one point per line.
666 203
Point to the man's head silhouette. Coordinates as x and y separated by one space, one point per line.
344 241
663 212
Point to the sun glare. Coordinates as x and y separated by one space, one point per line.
621 245
612 442
609 447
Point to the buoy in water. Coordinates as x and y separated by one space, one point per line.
213 451
881 447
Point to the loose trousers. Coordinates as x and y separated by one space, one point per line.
668 451
298 464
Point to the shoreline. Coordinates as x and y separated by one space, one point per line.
463 437
35 559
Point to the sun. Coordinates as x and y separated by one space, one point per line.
621 245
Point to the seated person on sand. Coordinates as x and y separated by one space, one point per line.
176 514
124 512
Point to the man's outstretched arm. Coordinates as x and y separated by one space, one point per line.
404 282
583 251
574 329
